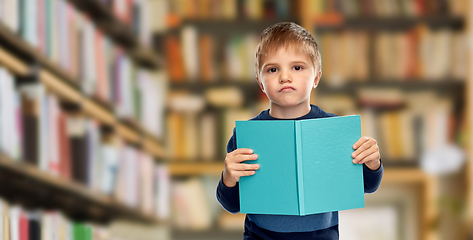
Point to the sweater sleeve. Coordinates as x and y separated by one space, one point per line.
372 179
229 197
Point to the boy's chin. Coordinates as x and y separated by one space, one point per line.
289 104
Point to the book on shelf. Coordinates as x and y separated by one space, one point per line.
182 135
11 125
151 94
174 58
189 43
162 193
207 61
191 208
111 158
34 146
208 140
305 166
146 183
9 14
77 133
94 162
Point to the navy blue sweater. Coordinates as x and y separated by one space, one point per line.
315 226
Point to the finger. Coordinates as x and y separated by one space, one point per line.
366 145
238 174
237 159
248 173
370 157
366 152
242 151
360 142
246 167
241 158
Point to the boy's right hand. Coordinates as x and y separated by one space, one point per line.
234 169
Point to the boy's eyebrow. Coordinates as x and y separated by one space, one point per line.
303 62
267 64
293 62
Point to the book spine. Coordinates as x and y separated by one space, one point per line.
300 177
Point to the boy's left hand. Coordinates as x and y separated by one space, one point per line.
367 152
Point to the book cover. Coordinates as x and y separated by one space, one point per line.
81 231
23 226
305 166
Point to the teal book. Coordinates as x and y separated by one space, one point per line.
305 166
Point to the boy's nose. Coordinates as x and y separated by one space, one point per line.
284 77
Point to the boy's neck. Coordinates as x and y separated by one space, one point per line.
292 112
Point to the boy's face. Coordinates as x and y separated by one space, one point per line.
287 77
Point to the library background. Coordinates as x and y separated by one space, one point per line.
114 114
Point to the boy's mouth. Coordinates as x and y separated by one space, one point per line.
287 89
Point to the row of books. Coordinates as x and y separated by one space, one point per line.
231 9
194 56
419 53
17 223
419 121
72 41
386 8
134 13
194 205
34 129
202 135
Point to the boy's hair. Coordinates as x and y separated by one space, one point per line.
287 34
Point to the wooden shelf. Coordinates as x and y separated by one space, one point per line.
446 84
182 169
200 85
152 146
128 134
400 23
12 63
59 87
91 108
391 174
119 31
226 27
26 184
411 83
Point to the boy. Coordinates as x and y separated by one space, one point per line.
288 67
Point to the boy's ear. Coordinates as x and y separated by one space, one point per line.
317 79
260 84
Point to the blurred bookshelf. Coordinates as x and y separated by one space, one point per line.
395 23
75 200
82 96
121 28
402 65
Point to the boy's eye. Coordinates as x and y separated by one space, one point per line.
297 68
272 70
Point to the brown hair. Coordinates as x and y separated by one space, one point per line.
287 34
